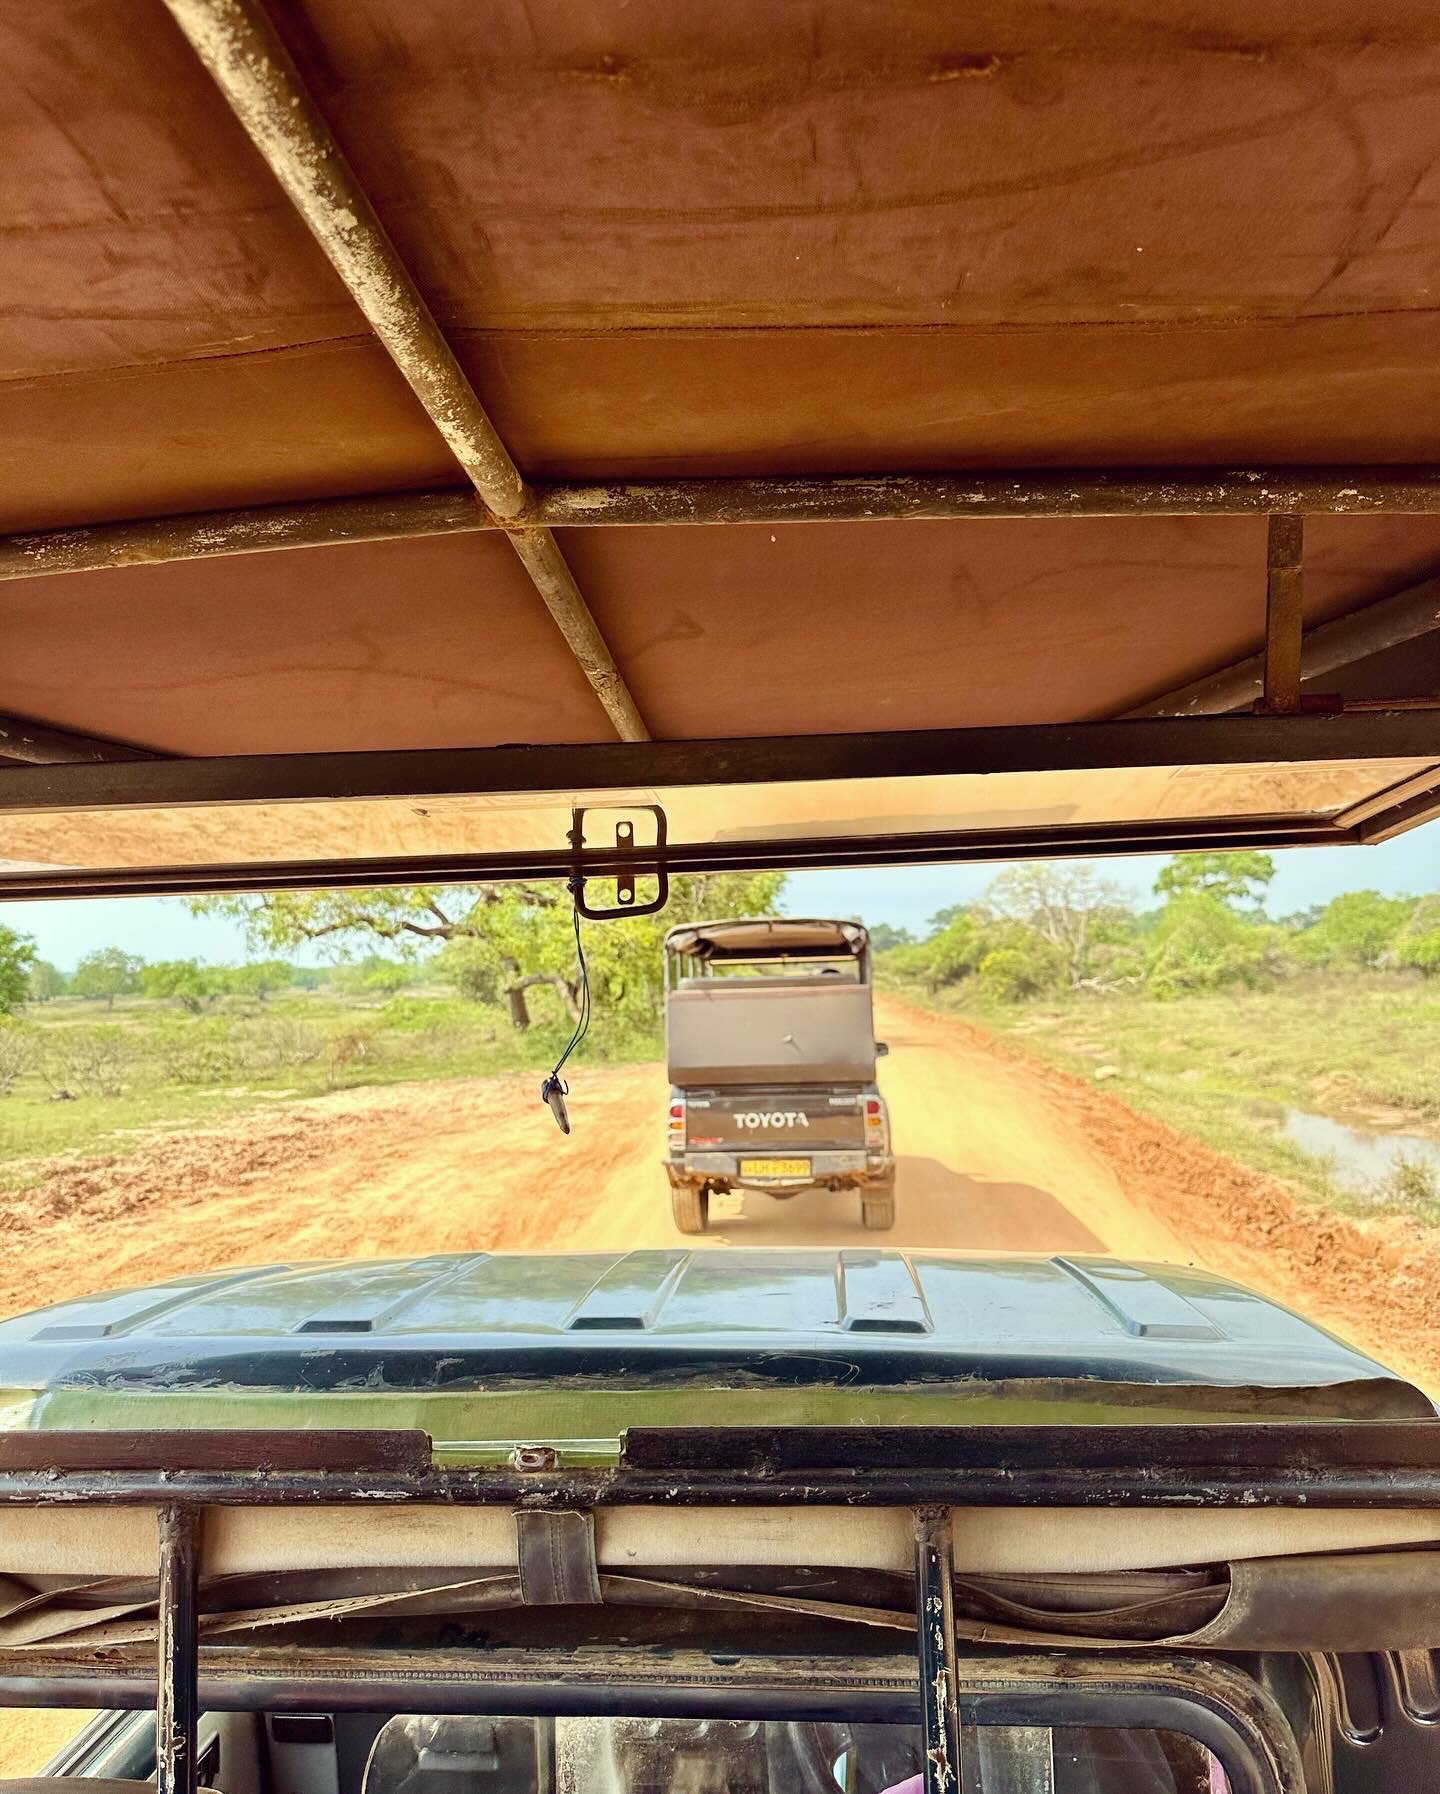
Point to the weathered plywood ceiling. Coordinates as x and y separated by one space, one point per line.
685 240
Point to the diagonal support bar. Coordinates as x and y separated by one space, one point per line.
1331 648
177 1706
252 68
1284 614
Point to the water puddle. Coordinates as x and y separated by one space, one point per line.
1360 1158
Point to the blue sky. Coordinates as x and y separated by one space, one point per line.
162 928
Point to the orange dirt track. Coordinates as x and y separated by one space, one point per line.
997 1153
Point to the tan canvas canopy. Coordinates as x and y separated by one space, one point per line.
892 394
768 937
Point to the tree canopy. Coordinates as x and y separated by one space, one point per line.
1051 928
44 982
1233 878
17 956
505 941
108 972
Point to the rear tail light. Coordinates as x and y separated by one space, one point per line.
874 1121
872 1106
677 1125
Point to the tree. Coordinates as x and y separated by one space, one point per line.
1418 943
259 978
17 956
1358 928
885 935
374 975
1071 908
107 972
1234 878
1200 943
186 980
44 982
522 936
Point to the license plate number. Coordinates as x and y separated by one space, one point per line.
774 1167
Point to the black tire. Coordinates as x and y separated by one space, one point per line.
690 1207
877 1207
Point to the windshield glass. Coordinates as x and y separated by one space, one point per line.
422 1754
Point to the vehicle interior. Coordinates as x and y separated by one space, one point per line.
371 1753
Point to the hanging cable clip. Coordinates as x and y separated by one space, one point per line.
554 1090
628 859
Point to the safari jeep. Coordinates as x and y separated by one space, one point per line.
770 1046
673 1522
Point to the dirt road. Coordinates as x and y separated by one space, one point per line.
997 1153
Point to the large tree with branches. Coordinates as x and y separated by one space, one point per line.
509 939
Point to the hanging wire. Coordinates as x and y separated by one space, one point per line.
554 1090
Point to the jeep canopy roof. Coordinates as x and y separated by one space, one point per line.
911 390
766 937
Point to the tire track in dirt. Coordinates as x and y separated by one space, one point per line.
997 1152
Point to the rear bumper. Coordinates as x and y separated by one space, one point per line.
848 1169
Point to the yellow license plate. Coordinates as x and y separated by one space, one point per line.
774 1167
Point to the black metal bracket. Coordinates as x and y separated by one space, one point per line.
629 863
177 1704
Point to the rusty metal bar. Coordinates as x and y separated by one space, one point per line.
332 522
1067 492
34 744
177 1707
1328 649
257 529
935 1626
1284 614
248 62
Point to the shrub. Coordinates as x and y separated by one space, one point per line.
1199 943
1358 928
277 1042
1011 974
1412 1183
88 1061
427 1015
193 1052
347 1047
17 1050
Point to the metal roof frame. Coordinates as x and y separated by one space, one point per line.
926 1469
1368 1464
246 58
152 784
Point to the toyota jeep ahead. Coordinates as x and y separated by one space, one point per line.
770 1045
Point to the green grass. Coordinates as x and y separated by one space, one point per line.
1224 1067
147 1067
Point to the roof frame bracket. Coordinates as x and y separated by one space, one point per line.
630 862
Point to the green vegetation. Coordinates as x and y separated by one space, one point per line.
1206 1013
498 941
1046 929
476 980
17 960
1225 1067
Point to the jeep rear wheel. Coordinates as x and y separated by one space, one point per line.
690 1207
877 1207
